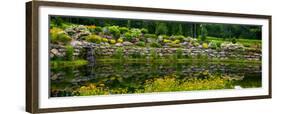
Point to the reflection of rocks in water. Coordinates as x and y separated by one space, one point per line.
124 75
57 76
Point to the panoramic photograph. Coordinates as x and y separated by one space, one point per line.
91 56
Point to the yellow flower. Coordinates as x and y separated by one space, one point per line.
120 40
112 41
205 45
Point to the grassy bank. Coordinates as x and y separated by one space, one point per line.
73 63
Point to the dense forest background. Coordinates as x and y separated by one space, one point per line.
169 28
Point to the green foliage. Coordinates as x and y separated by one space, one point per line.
120 40
144 31
95 29
170 83
174 45
176 42
165 27
155 44
161 28
94 38
136 55
112 41
161 84
179 37
140 43
150 36
233 40
93 89
165 36
204 32
153 54
114 30
213 45
59 36
128 36
72 63
119 53
136 33
104 39
123 30
218 44
69 52
167 41
179 53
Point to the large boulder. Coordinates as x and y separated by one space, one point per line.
78 32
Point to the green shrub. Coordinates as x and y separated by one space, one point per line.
179 37
94 38
171 83
120 40
174 45
161 28
128 36
112 41
213 45
150 36
247 45
123 30
218 44
136 33
176 42
114 30
163 37
104 40
233 40
59 36
97 29
204 33
155 44
144 31
69 52
140 43
167 41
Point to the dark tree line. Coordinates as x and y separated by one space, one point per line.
195 30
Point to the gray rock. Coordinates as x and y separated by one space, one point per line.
119 44
54 51
127 43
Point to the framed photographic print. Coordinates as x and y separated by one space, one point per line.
86 56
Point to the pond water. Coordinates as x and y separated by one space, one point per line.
133 77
